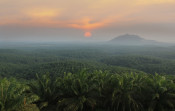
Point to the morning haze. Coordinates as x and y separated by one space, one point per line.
87 55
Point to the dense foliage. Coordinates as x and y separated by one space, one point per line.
87 78
97 91
59 59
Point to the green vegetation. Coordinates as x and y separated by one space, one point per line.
11 95
87 78
97 91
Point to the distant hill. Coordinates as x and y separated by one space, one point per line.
128 39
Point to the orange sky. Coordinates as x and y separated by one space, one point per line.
85 15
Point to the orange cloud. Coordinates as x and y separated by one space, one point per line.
42 13
47 20
82 14
86 25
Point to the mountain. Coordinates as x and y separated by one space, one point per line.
128 39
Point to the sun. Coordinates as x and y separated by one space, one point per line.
87 34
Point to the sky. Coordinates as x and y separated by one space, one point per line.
88 20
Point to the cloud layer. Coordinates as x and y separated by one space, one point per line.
103 18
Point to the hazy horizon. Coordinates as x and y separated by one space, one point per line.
87 20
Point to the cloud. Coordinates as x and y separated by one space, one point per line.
55 12
85 15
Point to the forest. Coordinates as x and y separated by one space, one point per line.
86 77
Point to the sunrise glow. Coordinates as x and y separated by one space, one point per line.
78 16
87 34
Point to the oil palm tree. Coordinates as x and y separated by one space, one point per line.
102 80
126 89
79 92
160 93
11 95
46 89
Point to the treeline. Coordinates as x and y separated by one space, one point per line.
148 64
95 91
26 62
58 68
